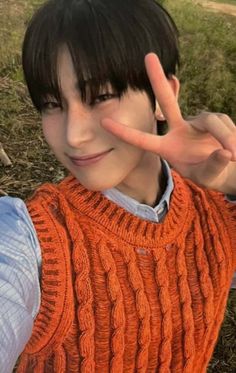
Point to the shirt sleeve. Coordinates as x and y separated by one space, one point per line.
231 198
20 263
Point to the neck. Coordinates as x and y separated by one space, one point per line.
146 185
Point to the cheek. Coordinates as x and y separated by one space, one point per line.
52 130
135 114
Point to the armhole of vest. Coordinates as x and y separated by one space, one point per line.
50 327
227 212
223 209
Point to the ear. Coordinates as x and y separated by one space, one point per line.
175 86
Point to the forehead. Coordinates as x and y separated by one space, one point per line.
68 79
65 65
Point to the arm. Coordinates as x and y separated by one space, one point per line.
19 280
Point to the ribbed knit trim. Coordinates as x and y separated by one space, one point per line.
56 282
130 228
228 218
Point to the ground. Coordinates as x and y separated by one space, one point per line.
219 7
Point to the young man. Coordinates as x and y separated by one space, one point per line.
125 266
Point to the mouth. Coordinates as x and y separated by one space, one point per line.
89 159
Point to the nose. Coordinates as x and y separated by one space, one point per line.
79 126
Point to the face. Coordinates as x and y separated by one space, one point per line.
74 131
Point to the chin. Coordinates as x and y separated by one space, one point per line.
94 186
99 180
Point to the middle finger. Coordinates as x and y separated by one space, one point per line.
163 92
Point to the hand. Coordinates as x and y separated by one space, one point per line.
202 149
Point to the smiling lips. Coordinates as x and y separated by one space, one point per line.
89 159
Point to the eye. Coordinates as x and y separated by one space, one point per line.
103 97
50 106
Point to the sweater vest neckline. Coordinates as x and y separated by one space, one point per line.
125 225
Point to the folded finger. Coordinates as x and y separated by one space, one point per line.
220 127
227 121
212 168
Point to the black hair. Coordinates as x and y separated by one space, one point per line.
107 40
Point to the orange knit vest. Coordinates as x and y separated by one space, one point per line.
122 294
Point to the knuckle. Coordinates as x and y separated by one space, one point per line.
223 116
212 117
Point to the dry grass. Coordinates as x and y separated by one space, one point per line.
23 142
208 77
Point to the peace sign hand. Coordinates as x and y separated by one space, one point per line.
202 148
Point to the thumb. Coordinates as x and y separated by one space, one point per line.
215 165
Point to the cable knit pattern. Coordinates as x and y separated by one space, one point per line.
121 294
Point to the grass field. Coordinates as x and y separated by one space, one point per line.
208 77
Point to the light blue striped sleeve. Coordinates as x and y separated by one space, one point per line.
20 263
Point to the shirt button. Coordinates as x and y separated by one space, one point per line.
141 251
160 210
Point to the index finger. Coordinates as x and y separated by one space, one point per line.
162 90
146 141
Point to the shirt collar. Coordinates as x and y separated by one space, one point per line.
134 206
